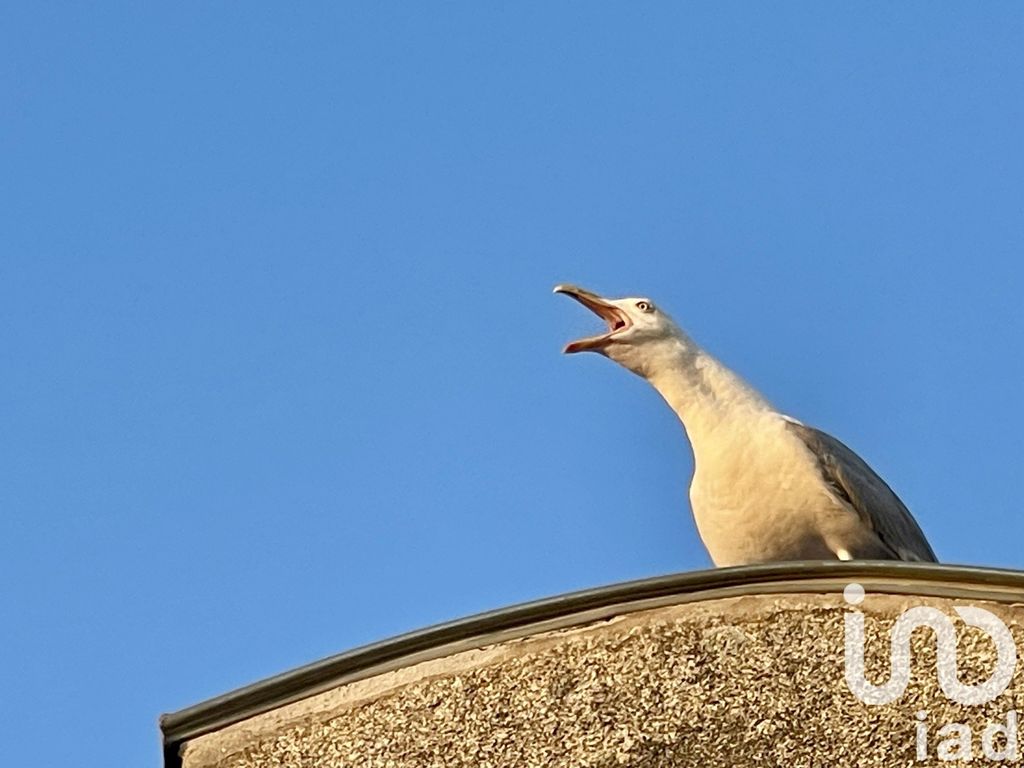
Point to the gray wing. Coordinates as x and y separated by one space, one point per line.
876 503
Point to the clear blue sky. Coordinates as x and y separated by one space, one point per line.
281 369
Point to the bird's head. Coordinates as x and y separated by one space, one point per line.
640 336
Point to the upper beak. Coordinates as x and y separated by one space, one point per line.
617 319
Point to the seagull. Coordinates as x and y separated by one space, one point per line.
765 487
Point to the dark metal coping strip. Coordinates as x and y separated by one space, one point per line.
955 582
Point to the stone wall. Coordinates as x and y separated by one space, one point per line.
754 680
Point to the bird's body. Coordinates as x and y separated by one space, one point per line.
765 487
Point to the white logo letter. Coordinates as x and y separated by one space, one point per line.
945 634
1009 732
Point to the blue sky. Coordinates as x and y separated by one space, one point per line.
281 369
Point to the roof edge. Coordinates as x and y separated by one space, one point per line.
576 608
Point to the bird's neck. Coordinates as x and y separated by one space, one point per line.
704 393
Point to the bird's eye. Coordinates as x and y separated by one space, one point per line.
644 306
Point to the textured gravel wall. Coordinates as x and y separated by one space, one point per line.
744 681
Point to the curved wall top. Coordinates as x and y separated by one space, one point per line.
729 666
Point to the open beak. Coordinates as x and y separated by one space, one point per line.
617 319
